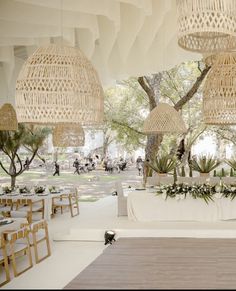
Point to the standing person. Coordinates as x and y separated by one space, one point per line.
76 165
26 164
139 165
57 169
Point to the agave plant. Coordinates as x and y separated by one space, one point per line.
231 163
205 164
164 164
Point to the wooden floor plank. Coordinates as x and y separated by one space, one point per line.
162 263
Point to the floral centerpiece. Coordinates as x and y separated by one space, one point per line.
203 191
6 189
39 189
53 189
24 189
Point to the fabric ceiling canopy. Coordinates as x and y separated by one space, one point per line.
122 38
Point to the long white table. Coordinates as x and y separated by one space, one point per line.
145 206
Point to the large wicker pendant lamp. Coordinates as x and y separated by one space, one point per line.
219 93
59 84
8 120
68 135
164 119
207 25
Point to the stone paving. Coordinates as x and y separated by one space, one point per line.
92 186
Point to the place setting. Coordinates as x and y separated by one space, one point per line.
5 221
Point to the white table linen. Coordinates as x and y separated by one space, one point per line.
145 206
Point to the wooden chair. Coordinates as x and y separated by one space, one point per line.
30 206
19 244
39 231
66 200
6 205
4 261
19 214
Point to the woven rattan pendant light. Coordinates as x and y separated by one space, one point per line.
8 120
164 119
207 25
68 135
219 93
59 84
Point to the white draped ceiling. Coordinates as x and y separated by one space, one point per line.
122 38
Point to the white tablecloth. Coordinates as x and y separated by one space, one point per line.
144 206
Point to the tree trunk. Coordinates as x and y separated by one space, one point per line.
152 146
13 182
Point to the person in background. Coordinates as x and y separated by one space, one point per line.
57 169
139 165
76 165
26 164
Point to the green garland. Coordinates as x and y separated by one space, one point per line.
203 191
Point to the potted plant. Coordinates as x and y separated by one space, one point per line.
232 163
163 165
205 164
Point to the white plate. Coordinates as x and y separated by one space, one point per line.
6 221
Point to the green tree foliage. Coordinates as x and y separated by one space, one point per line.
126 107
11 143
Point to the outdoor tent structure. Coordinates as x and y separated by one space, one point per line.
122 38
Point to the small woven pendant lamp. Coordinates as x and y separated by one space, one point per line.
59 84
68 135
164 119
219 93
207 25
8 120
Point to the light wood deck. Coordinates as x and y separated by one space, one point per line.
162 263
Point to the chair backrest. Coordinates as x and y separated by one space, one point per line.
6 201
36 226
22 233
2 242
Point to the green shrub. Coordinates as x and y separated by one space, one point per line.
214 175
225 172
175 175
231 172
222 172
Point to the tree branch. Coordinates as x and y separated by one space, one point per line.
192 91
127 126
30 150
4 169
149 90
